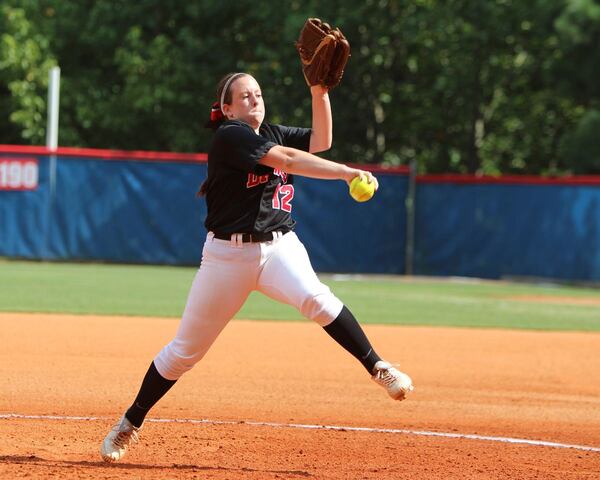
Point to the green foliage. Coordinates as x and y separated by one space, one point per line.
581 147
24 66
578 71
480 86
579 32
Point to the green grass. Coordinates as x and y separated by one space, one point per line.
162 291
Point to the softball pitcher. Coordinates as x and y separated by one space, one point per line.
251 245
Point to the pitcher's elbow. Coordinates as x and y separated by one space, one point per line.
321 147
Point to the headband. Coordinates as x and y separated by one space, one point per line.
226 87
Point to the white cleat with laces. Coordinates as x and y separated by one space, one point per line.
396 383
115 444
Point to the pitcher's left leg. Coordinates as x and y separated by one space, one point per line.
288 276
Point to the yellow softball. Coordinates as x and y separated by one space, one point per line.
361 190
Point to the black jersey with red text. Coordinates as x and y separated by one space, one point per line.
243 196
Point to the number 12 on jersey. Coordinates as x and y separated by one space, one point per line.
282 198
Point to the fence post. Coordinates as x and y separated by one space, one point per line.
51 145
410 217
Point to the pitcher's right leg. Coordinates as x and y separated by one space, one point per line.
218 292
222 284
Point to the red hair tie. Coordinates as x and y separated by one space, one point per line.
216 115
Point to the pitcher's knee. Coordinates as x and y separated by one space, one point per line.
322 307
171 363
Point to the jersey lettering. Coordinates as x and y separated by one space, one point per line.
282 198
280 173
254 180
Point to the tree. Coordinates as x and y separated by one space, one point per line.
24 65
577 72
484 86
580 148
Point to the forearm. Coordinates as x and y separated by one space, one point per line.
298 162
322 123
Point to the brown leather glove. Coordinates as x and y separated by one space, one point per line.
324 52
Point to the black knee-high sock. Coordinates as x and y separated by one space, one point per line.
152 390
346 331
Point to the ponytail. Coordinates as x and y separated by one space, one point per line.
203 189
216 117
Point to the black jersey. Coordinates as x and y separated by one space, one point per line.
243 196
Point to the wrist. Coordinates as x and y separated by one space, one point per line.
348 174
319 91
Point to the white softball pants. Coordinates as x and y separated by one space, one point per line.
229 271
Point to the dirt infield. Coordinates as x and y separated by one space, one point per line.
266 389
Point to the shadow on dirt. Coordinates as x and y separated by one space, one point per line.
35 460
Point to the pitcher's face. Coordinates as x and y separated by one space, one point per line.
246 102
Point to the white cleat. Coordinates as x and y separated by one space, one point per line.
115 444
397 383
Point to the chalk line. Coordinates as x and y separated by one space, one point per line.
340 428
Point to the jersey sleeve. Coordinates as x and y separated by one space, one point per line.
239 147
295 137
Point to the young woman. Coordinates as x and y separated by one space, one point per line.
251 244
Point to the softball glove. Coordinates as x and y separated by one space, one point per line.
324 52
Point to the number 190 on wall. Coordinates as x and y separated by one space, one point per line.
19 173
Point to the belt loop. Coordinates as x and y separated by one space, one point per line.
210 236
239 240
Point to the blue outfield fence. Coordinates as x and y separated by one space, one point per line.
508 227
116 210
140 207
344 236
